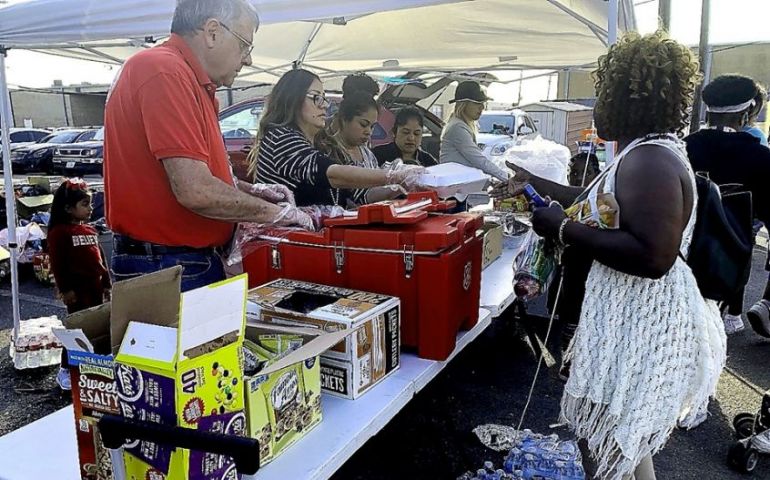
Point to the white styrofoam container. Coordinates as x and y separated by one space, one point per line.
450 179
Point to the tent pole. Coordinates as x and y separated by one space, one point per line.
664 14
6 119
703 57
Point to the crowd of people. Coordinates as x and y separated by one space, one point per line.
647 349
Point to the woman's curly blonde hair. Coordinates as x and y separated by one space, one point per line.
644 84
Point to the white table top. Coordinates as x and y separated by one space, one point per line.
346 426
497 279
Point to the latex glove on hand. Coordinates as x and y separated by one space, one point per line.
273 193
292 216
547 220
408 176
515 185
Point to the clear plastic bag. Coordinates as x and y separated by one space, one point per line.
250 236
534 267
539 156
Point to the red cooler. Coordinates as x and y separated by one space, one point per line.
431 261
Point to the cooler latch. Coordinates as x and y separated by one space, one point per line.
408 260
275 257
339 256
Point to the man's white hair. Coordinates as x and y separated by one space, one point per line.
190 15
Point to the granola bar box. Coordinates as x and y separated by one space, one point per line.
367 356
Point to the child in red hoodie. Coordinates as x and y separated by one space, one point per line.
79 270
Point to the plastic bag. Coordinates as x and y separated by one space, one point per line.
250 236
539 156
534 268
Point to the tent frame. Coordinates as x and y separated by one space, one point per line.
607 37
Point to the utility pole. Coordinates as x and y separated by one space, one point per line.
703 57
664 15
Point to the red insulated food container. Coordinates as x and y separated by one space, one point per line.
431 261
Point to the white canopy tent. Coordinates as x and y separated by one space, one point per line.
329 36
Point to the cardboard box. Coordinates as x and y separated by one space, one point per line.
164 373
184 369
366 357
94 393
493 243
283 400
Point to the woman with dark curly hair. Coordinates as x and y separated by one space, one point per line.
649 349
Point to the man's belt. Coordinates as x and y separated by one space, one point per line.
129 246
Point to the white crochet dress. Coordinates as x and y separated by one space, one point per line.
646 354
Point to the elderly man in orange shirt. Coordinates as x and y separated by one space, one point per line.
170 194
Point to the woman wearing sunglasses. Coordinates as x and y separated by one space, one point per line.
293 149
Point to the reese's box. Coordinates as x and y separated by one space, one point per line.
368 355
283 383
184 369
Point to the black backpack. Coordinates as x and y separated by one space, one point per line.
722 243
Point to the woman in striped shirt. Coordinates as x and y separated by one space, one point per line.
293 148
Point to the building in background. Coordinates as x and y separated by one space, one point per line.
59 106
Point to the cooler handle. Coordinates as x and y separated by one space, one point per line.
244 451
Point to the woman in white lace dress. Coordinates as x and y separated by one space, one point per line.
649 349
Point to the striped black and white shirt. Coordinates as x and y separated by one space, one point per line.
286 157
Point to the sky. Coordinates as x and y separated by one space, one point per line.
733 21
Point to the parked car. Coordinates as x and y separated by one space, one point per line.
499 130
80 158
239 123
38 157
24 136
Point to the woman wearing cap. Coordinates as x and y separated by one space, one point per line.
731 155
458 140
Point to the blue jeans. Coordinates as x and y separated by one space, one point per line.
198 269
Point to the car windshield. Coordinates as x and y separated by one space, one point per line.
99 137
63 137
497 124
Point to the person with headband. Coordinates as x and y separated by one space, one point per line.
458 140
731 155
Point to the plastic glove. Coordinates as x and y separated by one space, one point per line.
272 192
293 216
409 178
319 213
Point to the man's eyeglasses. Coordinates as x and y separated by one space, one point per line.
319 100
246 46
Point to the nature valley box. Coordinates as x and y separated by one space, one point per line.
184 369
493 243
366 357
283 394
